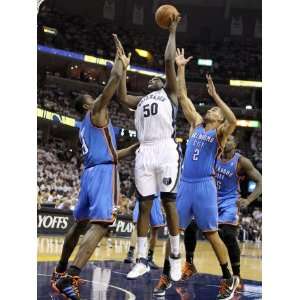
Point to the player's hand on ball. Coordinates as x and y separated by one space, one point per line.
180 59
174 22
243 203
210 86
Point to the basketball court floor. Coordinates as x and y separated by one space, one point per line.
105 275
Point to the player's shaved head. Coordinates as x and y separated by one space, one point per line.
82 103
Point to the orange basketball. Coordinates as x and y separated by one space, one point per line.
164 15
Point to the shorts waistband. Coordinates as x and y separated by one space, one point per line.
156 142
103 164
195 180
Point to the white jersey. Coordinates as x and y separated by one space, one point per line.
155 117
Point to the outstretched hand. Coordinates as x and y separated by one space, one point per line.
210 86
180 59
120 53
174 22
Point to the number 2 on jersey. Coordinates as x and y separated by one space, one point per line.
150 111
196 154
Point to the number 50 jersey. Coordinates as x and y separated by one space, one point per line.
155 117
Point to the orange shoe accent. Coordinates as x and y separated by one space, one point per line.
188 271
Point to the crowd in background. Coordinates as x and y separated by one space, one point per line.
231 59
60 163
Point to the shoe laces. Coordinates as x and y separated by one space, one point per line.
223 286
75 284
163 280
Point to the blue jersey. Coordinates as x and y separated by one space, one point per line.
200 156
227 178
98 143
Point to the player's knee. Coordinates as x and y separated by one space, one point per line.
145 207
191 231
229 234
167 197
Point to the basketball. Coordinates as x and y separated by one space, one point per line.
164 14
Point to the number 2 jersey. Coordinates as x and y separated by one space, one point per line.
202 150
98 143
155 117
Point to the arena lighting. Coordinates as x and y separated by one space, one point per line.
50 30
204 62
99 61
143 53
245 83
248 106
248 123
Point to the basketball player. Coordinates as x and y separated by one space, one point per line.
157 163
157 220
197 194
98 182
229 168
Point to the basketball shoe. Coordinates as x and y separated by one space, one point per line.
188 271
140 268
227 288
163 284
69 286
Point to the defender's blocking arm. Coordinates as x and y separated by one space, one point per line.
170 54
104 99
188 108
247 168
128 100
122 153
229 125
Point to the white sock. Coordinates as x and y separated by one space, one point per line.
174 242
142 247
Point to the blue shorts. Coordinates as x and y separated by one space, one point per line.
228 210
198 200
98 194
157 218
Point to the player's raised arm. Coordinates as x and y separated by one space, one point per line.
188 108
99 113
247 168
122 153
170 54
128 100
229 125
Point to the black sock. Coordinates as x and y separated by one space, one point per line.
189 257
74 271
236 270
150 254
166 269
61 267
131 250
225 271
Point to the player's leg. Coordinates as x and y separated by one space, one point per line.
70 242
228 231
101 194
81 216
183 205
169 173
145 182
229 234
133 238
130 253
157 220
206 215
190 241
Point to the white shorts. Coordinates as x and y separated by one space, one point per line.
157 167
